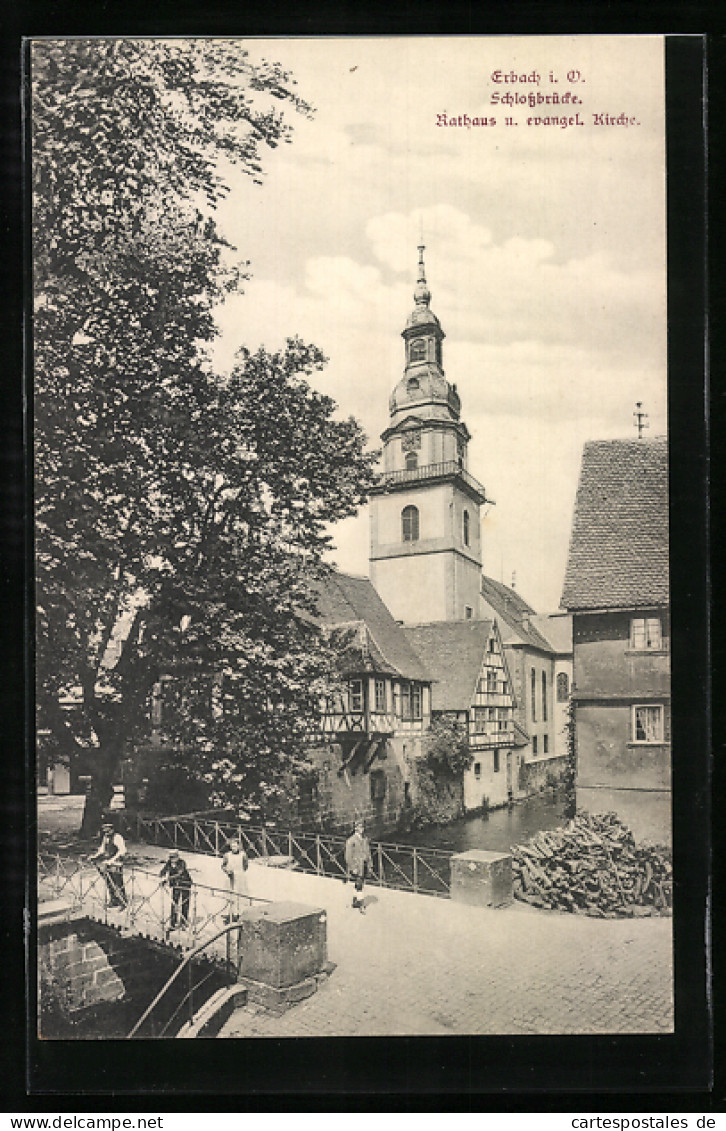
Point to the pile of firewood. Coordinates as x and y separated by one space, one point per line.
593 867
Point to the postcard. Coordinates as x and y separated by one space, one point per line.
352 537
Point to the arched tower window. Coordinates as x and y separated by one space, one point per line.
418 350
563 687
411 461
409 524
466 528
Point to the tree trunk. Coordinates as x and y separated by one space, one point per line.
100 792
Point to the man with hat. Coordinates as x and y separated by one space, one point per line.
176 874
357 862
111 854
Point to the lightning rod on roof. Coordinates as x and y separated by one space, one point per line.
640 418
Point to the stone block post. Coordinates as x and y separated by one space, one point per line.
483 879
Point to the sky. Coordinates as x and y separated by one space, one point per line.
545 256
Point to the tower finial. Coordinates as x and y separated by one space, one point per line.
640 419
422 294
421 268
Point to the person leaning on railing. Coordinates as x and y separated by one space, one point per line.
111 853
176 874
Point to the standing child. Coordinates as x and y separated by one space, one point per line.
357 860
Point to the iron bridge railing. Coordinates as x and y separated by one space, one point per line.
404 867
148 909
211 925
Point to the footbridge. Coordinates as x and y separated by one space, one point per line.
171 979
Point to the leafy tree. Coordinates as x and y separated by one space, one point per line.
447 747
440 775
166 498
250 666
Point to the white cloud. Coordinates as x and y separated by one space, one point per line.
545 257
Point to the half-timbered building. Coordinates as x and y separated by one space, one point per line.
538 649
370 730
472 686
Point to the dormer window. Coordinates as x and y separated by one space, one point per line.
413 386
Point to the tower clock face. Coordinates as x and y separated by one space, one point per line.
411 441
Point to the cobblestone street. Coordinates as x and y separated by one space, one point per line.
418 965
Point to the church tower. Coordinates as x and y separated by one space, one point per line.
425 558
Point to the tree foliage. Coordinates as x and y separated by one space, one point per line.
447 747
178 515
569 774
253 667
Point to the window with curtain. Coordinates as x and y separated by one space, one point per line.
648 723
411 701
645 633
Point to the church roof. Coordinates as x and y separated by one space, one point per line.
557 629
422 316
619 545
454 652
351 601
517 619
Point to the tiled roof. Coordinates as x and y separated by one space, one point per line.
619 546
346 600
453 652
515 617
501 592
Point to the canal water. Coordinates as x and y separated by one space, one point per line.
496 831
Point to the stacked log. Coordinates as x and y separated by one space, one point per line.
593 867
